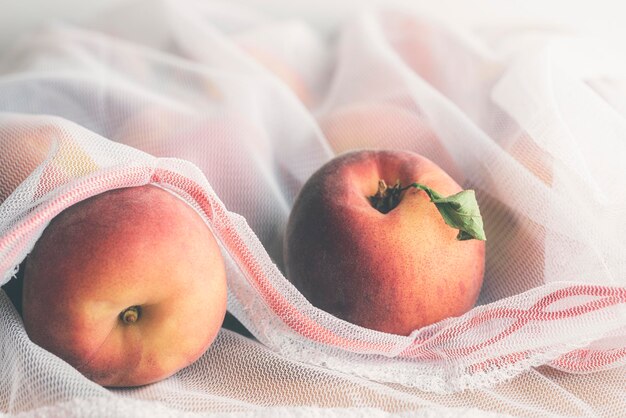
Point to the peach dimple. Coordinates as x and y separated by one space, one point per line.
122 249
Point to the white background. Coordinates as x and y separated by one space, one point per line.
602 17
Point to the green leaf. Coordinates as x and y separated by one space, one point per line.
460 211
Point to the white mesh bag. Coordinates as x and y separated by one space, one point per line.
233 110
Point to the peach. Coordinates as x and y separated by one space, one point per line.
394 272
518 244
128 286
27 147
281 69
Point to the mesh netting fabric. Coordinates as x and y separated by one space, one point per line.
233 111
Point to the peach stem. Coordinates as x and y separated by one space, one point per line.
130 315
387 198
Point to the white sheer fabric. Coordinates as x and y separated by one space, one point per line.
233 111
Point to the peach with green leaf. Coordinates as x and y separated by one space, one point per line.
386 240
